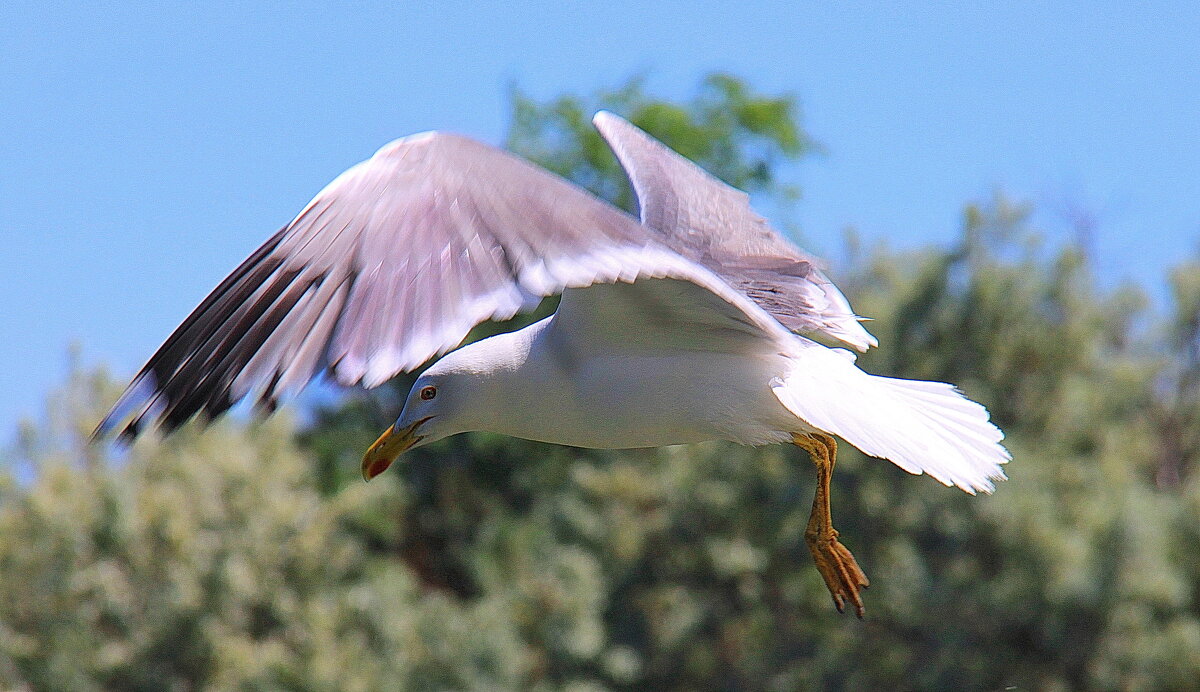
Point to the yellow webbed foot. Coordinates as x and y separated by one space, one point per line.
839 569
834 561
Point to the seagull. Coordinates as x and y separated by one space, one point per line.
695 322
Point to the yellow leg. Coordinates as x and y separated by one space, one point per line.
834 561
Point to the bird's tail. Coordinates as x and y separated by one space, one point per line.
922 427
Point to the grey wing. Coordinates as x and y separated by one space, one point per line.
689 309
392 263
713 224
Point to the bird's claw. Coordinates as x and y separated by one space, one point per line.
840 571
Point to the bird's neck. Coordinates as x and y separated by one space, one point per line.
504 377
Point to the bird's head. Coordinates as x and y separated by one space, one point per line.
454 395
431 412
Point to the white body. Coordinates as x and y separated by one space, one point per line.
534 384
626 400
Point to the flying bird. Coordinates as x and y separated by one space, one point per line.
691 323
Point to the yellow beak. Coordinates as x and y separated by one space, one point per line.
390 445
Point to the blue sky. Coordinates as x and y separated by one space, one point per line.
149 148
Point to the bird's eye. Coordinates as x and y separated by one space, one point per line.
428 393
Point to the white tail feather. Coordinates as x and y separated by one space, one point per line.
922 427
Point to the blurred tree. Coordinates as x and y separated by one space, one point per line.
1177 409
210 561
733 132
233 559
694 555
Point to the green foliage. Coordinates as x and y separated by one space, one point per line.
212 561
237 559
734 133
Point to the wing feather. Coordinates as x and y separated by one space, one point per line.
398 258
710 222
391 264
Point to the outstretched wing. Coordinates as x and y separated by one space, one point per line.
392 263
712 223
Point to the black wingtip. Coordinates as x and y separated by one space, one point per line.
129 434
